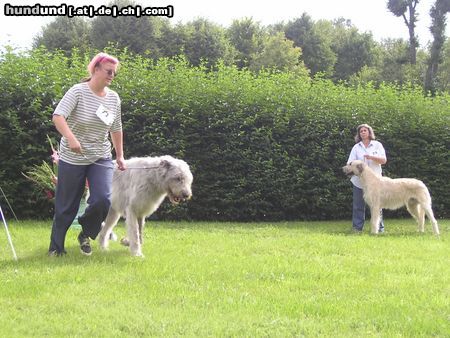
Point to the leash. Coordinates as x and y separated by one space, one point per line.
107 166
120 173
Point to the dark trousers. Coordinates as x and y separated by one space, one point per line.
359 210
69 191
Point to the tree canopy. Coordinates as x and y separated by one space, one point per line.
335 49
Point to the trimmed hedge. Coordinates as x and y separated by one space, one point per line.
261 147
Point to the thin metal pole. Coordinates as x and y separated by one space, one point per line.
10 207
7 234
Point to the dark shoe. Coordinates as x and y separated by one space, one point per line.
356 231
85 246
54 253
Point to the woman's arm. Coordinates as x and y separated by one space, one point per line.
63 128
376 159
117 140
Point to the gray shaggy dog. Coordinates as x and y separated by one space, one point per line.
384 192
138 191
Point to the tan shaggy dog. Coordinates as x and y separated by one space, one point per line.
387 193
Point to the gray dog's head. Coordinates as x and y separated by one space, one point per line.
177 178
354 168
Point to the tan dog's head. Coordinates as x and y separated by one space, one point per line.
354 168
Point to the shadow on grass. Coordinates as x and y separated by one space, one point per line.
39 256
307 226
395 228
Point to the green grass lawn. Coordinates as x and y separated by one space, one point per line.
302 279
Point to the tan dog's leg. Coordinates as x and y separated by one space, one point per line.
430 216
375 219
417 212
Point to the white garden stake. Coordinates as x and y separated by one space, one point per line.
7 234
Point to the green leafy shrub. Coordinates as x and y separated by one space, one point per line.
261 147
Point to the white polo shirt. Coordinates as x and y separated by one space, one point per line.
375 148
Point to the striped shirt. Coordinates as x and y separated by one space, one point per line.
83 111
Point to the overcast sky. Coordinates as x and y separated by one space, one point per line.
367 15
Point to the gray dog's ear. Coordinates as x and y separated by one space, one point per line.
165 164
360 168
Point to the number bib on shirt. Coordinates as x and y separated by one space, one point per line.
105 115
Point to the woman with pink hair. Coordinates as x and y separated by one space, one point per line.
86 116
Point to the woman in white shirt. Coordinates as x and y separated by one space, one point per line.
372 152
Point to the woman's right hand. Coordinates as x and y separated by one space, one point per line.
74 145
64 130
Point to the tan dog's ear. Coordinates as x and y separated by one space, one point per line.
360 168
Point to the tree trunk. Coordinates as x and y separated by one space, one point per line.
412 38
437 28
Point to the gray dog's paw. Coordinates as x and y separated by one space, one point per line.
124 241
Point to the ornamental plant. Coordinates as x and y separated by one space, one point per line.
45 175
